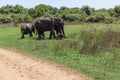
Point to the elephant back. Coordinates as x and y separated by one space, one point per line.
27 28
44 24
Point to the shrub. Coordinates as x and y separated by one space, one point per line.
71 17
5 19
109 20
21 18
93 43
96 18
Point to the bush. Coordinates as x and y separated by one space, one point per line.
5 19
93 43
109 20
71 17
96 18
21 18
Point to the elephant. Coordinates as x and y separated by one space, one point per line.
45 24
59 27
52 24
27 28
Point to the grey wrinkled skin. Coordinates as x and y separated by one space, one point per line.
59 27
50 24
45 24
27 28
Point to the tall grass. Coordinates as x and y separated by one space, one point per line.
92 49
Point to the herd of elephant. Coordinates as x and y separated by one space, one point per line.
45 24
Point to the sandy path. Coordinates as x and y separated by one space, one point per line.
14 66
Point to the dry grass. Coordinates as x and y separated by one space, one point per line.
102 41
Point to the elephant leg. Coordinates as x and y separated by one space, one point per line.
52 33
39 35
43 35
57 32
31 34
22 35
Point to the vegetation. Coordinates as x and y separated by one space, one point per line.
93 49
19 14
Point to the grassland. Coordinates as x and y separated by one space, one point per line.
102 63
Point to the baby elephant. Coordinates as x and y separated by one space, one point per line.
27 28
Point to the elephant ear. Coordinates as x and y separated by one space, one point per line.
61 21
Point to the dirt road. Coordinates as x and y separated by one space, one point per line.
14 66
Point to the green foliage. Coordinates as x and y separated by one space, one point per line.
42 10
64 11
109 19
84 14
15 13
111 12
96 18
75 10
5 18
13 9
115 12
31 11
71 17
21 18
88 11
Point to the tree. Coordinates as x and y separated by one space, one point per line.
74 10
18 9
32 13
111 12
115 12
21 18
64 11
42 10
5 18
88 11
96 18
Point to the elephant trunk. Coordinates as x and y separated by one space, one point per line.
63 33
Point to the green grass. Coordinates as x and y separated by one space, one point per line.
104 65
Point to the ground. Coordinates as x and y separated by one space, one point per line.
15 66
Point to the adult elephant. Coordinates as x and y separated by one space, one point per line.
27 28
52 24
59 27
45 24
